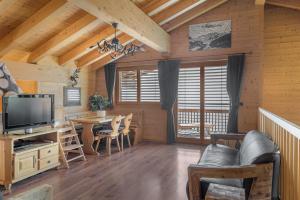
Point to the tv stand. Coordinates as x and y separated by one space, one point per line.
34 157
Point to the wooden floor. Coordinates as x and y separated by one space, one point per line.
145 172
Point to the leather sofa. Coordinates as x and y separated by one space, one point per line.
239 167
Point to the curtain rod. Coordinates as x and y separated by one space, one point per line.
188 59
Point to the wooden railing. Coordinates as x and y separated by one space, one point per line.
287 136
217 118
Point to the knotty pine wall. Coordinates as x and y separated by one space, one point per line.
247 36
51 79
281 70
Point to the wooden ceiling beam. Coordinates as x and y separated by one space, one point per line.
174 9
293 4
9 41
131 20
154 4
192 14
59 40
105 33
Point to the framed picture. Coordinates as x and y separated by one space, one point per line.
212 35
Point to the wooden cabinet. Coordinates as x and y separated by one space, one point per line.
25 164
21 163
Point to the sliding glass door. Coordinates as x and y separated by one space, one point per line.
203 102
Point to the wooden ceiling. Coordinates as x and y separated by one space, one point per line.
31 30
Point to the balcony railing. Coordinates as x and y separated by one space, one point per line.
188 120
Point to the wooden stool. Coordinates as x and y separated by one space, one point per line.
223 192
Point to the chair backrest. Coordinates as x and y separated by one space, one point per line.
257 148
115 124
127 122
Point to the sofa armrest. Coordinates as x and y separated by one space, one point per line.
227 136
196 172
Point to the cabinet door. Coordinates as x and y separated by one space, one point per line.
26 164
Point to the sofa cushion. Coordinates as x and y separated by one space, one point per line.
219 156
256 148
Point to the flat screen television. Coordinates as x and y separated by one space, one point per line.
27 111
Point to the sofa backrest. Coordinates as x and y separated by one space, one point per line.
256 148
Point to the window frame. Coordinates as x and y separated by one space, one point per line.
117 90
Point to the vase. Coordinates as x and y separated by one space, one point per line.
101 113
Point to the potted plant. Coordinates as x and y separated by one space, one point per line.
98 104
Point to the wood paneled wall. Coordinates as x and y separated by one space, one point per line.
51 78
287 136
281 70
247 36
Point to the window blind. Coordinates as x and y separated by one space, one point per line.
128 86
189 88
149 86
216 96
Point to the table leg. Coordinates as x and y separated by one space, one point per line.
88 139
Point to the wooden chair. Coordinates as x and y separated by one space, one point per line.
125 131
110 134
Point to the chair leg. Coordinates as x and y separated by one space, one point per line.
118 143
128 139
109 146
122 142
97 145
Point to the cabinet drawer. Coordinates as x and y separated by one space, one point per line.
48 151
25 164
47 162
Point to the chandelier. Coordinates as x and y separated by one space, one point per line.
114 46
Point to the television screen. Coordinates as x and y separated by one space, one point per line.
26 111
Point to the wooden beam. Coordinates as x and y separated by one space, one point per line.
59 40
16 55
94 55
293 4
260 2
192 14
131 20
105 33
9 41
174 9
154 4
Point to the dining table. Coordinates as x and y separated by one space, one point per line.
87 135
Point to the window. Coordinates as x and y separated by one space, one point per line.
128 86
140 85
72 96
149 86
